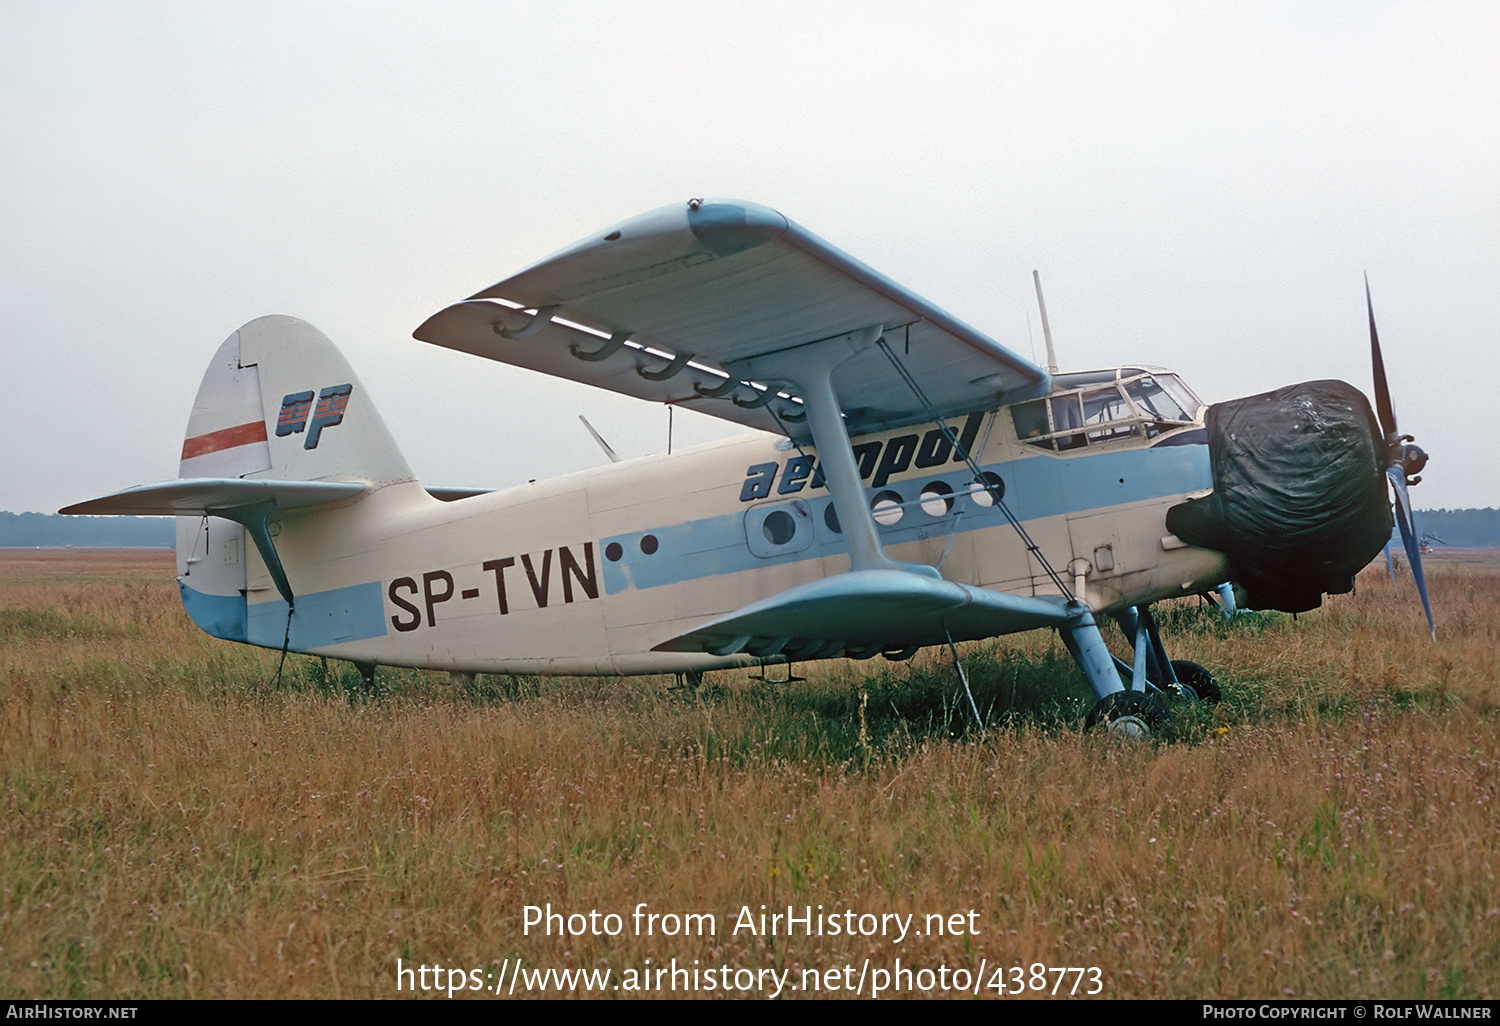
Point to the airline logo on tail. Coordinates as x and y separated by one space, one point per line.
328 412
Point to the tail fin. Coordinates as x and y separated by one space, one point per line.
280 422
280 402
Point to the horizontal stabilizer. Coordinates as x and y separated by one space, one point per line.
215 496
869 611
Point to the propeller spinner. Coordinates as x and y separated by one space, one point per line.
1404 462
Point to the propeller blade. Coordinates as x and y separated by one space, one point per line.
1409 539
1382 390
1392 568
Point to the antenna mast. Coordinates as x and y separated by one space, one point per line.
1046 329
600 439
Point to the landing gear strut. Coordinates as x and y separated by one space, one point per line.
1137 710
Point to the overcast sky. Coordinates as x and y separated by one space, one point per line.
1201 185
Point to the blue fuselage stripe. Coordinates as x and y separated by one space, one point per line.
323 619
1035 488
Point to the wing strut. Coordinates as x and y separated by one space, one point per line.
811 375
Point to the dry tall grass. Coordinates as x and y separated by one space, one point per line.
174 826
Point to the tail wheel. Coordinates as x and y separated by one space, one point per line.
1131 715
1198 680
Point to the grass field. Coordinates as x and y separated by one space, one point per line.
176 824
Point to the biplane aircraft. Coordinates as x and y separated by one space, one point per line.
911 483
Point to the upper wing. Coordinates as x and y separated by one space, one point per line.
685 299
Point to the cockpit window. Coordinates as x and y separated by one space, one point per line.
1154 401
1052 423
1186 400
1031 420
1067 415
1096 407
1111 411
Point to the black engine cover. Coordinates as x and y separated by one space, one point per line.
1299 503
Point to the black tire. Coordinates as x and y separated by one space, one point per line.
1202 683
1132 715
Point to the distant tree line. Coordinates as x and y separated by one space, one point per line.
1468 528
48 530
1465 528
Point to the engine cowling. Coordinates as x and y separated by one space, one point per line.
1299 502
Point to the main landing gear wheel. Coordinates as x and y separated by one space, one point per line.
1198 681
1131 715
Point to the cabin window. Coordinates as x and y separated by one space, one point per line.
886 508
775 530
989 486
778 527
936 499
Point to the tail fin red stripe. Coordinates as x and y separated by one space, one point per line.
227 438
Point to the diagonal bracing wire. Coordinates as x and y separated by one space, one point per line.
973 465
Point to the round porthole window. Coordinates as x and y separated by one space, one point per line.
775 531
613 552
991 486
648 544
779 527
886 507
831 518
937 499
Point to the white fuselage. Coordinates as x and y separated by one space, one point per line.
586 573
